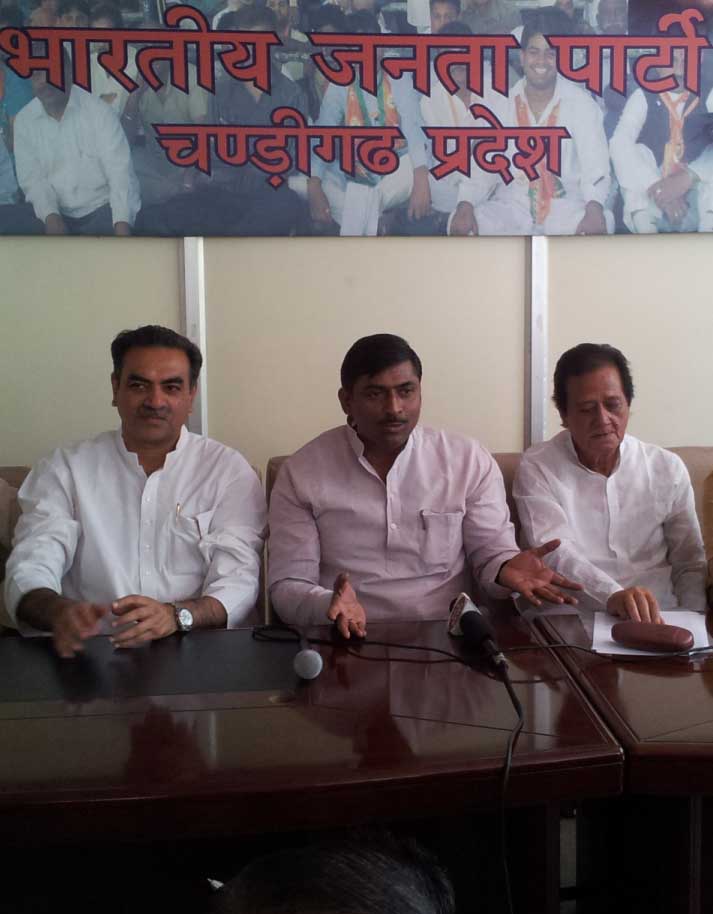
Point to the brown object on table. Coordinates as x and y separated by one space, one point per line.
648 636
650 850
212 735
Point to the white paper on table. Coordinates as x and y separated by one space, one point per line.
603 642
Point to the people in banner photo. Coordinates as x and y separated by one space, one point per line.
420 117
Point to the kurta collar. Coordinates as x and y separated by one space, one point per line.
357 445
572 451
131 459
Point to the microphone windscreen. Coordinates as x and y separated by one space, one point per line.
307 664
476 628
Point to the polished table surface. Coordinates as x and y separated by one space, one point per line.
651 849
212 733
660 708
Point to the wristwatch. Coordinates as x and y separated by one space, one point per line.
184 618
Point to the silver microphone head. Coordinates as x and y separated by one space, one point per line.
308 663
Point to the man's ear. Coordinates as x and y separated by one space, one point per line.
344 400
114 388
563 421
192 394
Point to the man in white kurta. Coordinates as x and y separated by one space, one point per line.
126 532
626 523
568 203
74 164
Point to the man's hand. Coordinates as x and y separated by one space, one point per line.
122 229
318 203
463 221
635 603
73 624
54 225
527 574
346 610
420 201
674 187
593 222
147 620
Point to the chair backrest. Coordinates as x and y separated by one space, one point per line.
699 463
11 478
508 463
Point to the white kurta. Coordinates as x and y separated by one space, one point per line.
95 527
78 164
637 527
502 209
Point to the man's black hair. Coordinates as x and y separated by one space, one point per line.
585 358
110 12
327 16
160 337
67 6
372 874
454 3
254 17
457 27
372 354
363 23
548 21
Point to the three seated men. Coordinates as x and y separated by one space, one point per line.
141 531
150 529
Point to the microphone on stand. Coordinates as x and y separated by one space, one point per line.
467 621
308 662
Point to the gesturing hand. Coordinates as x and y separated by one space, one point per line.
346 609
73 624
150 619
527 574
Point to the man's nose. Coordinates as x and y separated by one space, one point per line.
154 398
602 416
394 405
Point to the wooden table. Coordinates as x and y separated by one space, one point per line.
212 735
649 851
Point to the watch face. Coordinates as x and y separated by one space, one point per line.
185 619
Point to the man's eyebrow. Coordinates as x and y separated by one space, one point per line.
137 377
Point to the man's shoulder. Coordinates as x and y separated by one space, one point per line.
75 458
447 441
660 459
460 452
324 447
214 453
545 451
30 112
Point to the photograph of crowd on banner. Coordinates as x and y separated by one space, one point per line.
356 117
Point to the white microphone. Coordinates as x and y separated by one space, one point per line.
308 662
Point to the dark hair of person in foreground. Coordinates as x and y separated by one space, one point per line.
585 358
373 354
362 874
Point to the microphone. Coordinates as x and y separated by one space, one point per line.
467 621
308 662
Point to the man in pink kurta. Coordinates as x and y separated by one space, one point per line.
386 519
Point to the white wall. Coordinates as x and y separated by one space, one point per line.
651 297
282 314
64 299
